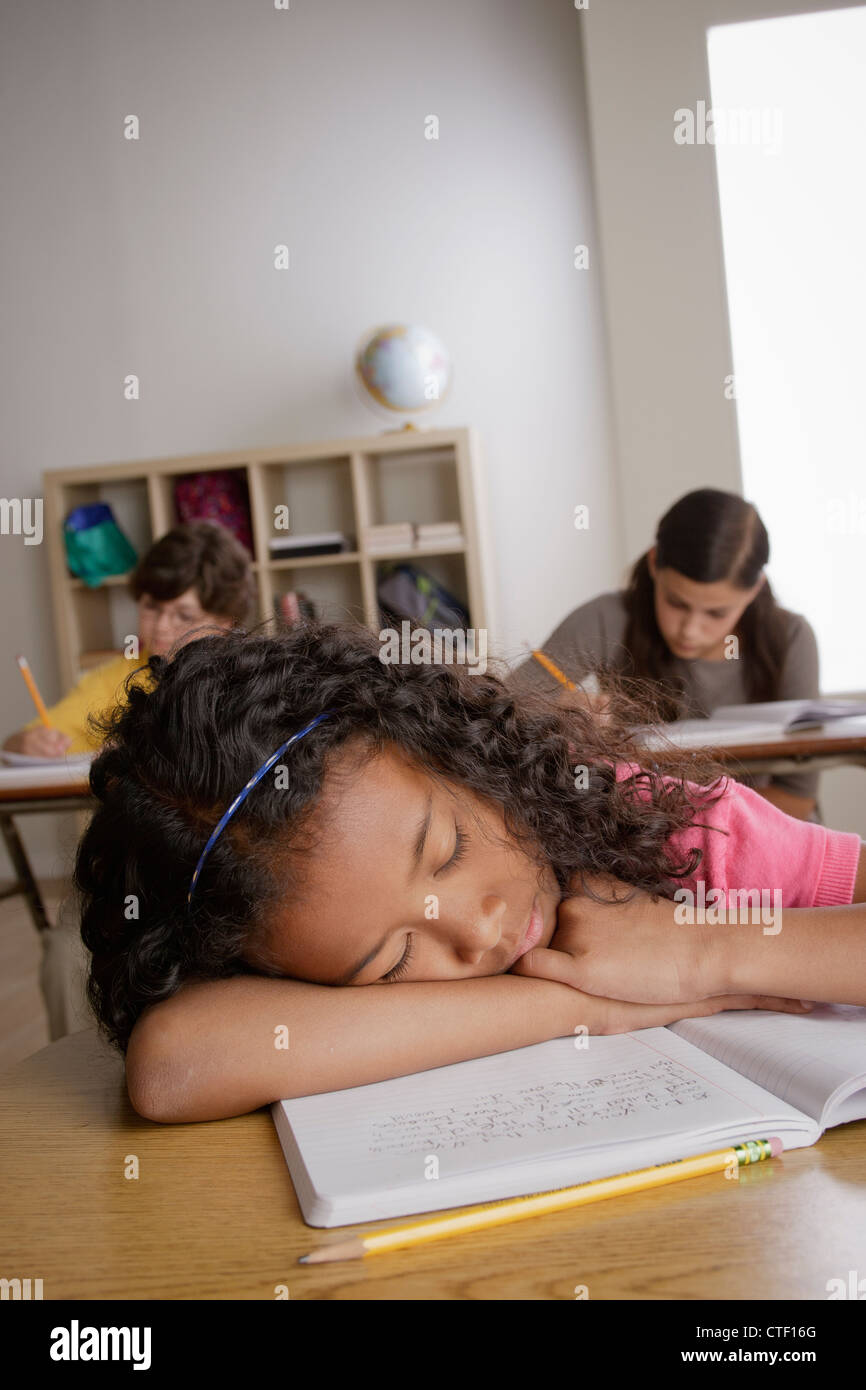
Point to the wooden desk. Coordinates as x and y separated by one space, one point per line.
839 743
21 800
213 1214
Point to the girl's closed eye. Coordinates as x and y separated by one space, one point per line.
402 965
459 848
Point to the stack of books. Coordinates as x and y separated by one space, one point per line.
438 533
397 535
409 535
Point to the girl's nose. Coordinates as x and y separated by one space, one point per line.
476 934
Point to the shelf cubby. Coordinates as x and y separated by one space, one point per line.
346 486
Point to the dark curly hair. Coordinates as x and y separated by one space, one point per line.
177 754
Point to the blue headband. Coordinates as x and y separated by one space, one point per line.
242 796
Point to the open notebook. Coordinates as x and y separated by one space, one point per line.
553 1114
736 724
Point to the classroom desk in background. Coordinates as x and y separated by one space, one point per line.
838 744
213 1214
22 795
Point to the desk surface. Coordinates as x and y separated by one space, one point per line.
213 1214
811 743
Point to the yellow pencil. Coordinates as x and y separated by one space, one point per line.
517 1209
553 669
24 668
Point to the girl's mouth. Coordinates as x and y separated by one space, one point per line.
532 934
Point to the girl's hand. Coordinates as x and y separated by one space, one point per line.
594 1015
630 949
593 700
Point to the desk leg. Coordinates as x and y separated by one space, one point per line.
26 883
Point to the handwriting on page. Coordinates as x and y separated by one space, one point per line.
538 1109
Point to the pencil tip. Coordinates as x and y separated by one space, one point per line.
302 1259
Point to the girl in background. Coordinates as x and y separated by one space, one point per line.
701 584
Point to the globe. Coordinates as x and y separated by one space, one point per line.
404 367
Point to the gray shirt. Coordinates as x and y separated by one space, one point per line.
594 633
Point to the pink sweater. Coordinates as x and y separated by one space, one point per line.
766 849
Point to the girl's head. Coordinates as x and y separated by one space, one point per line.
196 576
413 833
701 584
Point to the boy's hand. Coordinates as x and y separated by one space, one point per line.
630 949
39 742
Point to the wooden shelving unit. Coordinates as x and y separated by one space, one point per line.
339 485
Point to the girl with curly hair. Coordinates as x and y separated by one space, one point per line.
284 819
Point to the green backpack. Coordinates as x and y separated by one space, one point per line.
95 545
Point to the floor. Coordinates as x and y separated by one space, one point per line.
23 1021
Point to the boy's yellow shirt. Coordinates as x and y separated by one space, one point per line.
97 691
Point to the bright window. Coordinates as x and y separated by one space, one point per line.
788 94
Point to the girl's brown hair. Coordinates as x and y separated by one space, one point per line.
204 556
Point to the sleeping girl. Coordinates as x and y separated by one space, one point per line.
285 821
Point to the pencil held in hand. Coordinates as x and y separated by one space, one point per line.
24 668
554 670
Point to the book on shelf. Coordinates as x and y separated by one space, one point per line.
399 535
312 543
560 1113
395 535
439 533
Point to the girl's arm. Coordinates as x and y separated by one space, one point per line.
211 1051
819 953
652 951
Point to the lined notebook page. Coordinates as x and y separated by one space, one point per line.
803 1059
524 1106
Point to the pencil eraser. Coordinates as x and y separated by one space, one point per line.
776 1147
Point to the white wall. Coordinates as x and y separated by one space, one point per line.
306 126
663 272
